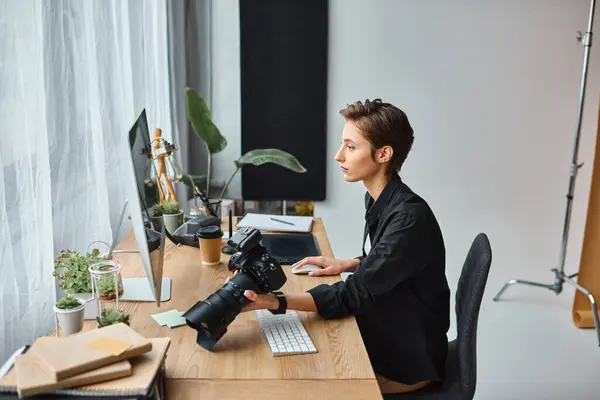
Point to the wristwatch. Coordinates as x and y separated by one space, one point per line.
282 303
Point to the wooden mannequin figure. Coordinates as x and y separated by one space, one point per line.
165 186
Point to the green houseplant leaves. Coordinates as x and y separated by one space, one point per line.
263 156
201 120
71 270
275 156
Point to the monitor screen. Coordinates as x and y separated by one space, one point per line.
141 195
139 140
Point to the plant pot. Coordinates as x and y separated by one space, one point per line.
70 320
107 281
173 221
91 307
157 223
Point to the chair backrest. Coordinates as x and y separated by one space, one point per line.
469 294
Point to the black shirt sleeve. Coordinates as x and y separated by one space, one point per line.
400 253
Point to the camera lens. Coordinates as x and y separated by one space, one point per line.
257 271
212 316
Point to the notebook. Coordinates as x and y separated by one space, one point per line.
144 371
71 355
276 223
33 378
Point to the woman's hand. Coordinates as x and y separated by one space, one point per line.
330 266
260 301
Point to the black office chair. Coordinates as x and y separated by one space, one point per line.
461 364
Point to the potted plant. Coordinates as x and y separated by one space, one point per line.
71 271
156 215
172 215
70 312
113 316
201 121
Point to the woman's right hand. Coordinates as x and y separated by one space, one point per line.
329 266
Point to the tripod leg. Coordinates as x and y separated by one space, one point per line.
513 281
590 297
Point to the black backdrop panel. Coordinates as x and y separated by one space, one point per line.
284 95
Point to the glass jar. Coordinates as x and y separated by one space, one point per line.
107 285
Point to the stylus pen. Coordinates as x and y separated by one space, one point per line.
282 221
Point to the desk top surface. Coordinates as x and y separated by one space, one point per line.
242 352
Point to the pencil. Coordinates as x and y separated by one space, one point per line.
282 221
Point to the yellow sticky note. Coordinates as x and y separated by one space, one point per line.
110 346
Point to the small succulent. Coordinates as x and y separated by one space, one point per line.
106 285
170 207
68 302
157 210
110 317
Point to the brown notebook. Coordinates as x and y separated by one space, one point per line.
144 369
33 378
71 355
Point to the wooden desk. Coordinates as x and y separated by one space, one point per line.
241 360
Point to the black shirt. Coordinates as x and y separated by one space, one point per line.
399 293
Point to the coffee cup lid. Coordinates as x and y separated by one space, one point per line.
209 232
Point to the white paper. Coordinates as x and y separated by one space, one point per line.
276 223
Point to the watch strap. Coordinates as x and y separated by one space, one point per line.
282 303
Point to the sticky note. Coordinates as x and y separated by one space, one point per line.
172 318
109 346
160 318
175 319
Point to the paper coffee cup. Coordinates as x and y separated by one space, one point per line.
210 244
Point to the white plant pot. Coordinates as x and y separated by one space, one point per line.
173 221
70 320
91 307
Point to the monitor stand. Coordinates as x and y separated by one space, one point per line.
138 289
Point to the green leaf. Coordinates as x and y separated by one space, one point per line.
275 156
201 120
199 180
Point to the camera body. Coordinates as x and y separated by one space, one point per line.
253 259
256 270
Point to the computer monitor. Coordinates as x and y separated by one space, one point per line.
140 197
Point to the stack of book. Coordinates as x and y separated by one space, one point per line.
114 361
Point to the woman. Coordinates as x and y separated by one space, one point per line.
398 293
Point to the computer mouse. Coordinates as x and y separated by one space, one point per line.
305 269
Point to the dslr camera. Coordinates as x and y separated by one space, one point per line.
256 270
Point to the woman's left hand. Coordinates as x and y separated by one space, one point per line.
260 301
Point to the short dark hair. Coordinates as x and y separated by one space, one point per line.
382 124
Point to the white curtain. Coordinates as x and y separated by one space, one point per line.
74 76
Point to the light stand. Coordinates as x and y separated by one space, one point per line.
559 275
